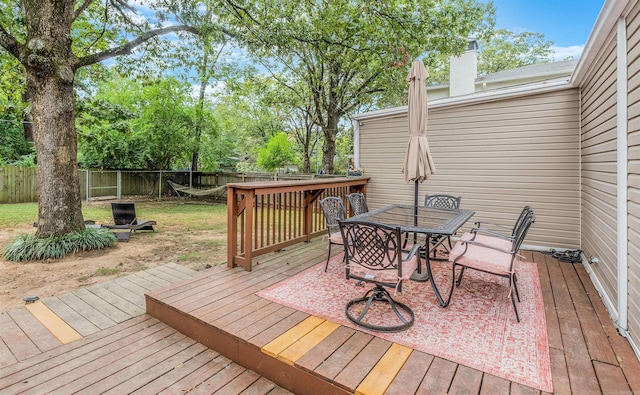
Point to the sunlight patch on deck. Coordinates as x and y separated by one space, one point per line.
309 341
385 371
293 335
58 328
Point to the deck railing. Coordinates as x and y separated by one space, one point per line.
268 216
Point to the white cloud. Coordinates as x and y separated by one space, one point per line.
562 53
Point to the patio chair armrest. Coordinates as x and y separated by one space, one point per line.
492 233
479 244
480 224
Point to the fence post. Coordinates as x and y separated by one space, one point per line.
160 187
119 184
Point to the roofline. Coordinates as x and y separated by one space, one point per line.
606 22
470 99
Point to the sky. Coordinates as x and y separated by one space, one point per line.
567 23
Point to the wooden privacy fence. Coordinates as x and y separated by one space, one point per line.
268 216
20 184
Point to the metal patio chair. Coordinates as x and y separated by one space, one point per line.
334 211
374 255
445 202
500 231
491 254
358 203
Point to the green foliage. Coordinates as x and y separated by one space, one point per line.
132 125
15 150
505 50
30 247
344 56
277 153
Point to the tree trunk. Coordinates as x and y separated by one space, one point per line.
59 204
50 67
329 147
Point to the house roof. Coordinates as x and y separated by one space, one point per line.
607 21
539 70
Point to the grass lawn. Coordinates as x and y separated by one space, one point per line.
190 234
167 213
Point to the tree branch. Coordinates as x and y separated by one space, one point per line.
127 48
81 9
8 42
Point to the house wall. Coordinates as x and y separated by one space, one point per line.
499 156
599 168
633 192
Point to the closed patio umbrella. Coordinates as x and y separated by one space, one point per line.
418 164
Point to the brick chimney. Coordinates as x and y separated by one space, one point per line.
463 71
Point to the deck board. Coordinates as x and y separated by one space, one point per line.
121 304
597 343
16 340
358 368
492 385
232 308
93 315
627 359
39 335
410 376
551 314
224 325
438 378
465 381
76 320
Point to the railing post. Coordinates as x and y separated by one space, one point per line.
247 225
232 226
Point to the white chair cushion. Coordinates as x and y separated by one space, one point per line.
483 258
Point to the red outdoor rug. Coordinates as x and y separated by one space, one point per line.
478 329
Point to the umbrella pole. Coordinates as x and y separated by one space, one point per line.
418 275
415 210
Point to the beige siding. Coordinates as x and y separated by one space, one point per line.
499 156
633 197
599 168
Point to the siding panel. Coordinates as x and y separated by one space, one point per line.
633 187
599 168
499 156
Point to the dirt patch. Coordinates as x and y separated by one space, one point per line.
191 248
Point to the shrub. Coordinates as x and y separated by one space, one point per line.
29 247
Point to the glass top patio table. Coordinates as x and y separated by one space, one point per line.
425 220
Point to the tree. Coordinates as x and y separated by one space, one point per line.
56 39
133 125
505 50
349 53
277 153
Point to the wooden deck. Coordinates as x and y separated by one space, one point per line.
209 329
220 310
99 339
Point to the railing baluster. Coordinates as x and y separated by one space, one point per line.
268 216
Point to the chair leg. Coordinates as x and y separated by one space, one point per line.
328 257
460 277
515 287
453 285
512 283
379 294
513 302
